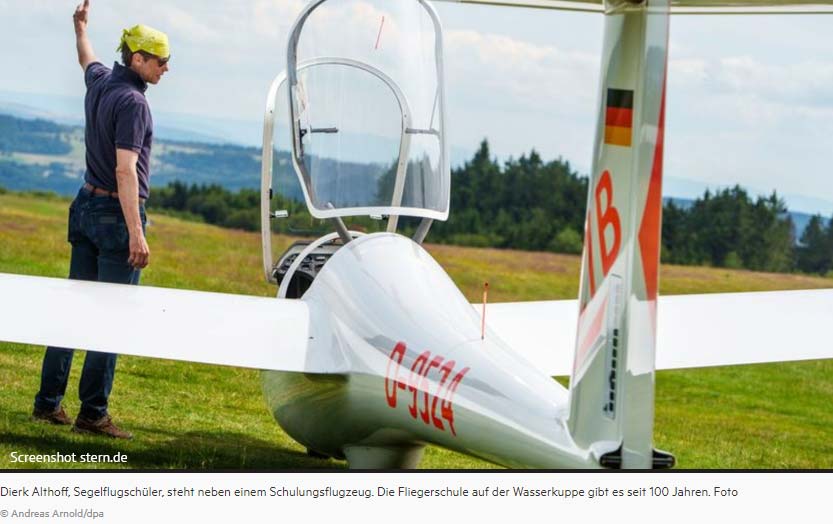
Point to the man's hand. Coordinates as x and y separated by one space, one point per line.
86 56
80 17
139 251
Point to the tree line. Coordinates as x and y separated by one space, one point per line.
529 204
728 229
815 253
214 204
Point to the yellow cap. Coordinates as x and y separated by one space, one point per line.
147 39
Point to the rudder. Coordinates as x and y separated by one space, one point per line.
612 384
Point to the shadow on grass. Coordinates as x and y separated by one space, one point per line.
189 451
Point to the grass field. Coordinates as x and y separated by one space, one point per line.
195 417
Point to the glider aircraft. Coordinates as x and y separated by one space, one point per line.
370 352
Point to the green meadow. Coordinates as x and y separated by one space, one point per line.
189 416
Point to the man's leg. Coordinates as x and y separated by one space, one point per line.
58 361
99 368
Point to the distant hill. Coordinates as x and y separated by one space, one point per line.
45 155
179 127
37 154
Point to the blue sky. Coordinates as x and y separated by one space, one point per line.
749 101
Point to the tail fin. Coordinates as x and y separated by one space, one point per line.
612 385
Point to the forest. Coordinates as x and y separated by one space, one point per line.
529 204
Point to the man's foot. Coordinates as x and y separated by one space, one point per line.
57 416
102 426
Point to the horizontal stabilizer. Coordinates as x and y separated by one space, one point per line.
692 330
679 7
211 328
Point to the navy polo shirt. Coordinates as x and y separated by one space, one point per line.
118 117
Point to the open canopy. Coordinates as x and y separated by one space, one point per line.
367 107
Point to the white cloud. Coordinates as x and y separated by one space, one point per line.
684 71
188 26
542 78
747 102
272 19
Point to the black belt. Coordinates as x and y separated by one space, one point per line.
97 191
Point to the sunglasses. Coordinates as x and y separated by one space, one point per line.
160 61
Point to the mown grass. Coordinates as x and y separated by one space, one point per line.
193 416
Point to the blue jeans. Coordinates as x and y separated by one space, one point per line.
100 249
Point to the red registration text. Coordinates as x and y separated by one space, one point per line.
429 386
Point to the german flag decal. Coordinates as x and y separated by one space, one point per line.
619 117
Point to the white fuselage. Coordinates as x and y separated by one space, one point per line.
415 369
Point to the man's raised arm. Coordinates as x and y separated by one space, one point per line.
82 43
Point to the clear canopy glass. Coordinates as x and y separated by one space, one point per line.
367 106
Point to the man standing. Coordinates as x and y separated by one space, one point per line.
107 218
